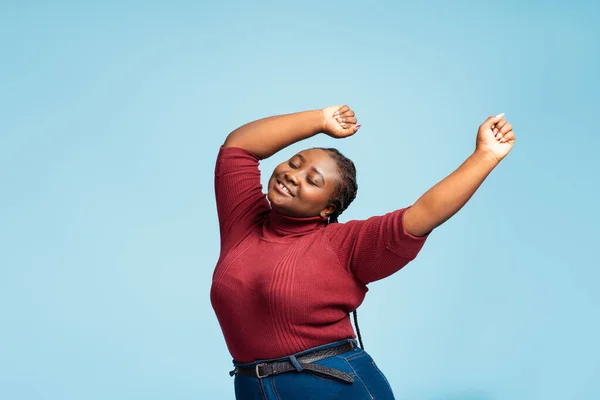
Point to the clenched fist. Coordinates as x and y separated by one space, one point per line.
339 121
495 137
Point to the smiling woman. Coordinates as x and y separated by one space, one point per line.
304 185
288 277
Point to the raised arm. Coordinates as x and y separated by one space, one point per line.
495 140
267 136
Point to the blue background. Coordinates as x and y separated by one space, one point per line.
111 115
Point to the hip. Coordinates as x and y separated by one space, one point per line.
367 380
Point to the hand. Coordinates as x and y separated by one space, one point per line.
495 137
339 121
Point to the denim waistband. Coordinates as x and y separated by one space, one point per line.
321 347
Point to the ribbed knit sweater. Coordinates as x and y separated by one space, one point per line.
284 284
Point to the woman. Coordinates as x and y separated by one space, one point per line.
288 276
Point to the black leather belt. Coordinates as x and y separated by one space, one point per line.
300 363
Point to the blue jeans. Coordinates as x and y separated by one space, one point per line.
369 381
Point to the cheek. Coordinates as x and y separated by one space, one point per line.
317 197
276 172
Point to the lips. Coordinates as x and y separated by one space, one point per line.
283 188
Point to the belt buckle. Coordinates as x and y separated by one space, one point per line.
258 372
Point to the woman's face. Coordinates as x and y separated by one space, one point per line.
303 185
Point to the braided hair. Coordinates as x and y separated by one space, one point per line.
346 187
344 193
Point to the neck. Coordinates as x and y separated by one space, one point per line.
284 225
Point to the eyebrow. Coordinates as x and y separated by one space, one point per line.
301 157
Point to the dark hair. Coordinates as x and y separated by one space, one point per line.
346 187
344 193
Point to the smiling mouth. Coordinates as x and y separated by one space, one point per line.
284 188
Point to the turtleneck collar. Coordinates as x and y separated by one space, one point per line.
279 225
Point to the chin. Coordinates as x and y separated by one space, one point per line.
281 209
274 200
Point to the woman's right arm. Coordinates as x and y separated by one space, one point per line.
239 195
267 136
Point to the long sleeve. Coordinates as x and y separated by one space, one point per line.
374 248
238 191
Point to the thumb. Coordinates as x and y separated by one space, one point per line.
487 124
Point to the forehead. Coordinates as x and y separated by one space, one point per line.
321 160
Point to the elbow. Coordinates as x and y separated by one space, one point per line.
414 225
231 142
245 143
418 232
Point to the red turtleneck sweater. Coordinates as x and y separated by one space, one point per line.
283 284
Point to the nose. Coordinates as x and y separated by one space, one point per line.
290 177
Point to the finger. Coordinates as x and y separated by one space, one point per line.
348 113
351 130
341 110
492 120
509 137
347 126
502 133
506 128
500 123
345 120
498 128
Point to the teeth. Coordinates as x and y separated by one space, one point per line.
284 188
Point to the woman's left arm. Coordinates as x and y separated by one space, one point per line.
495 140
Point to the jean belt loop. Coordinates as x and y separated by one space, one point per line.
295 363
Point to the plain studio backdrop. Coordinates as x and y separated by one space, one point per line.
111 117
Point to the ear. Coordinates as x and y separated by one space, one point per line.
327 211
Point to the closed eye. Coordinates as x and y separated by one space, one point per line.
311 182
294 166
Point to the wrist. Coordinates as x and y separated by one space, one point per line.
322 120
485 157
